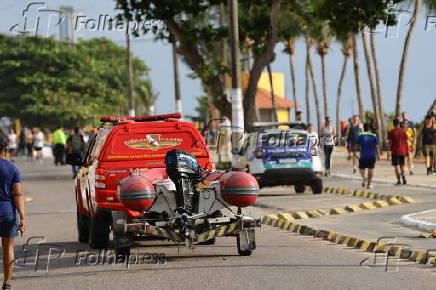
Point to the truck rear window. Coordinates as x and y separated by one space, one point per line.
152 145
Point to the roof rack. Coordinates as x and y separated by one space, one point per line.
108 119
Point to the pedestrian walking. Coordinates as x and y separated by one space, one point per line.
428 136
328 137
369 154
398 143
355 129
12 216
76 145
59 143
299 121
29 145
12 144
38 143
410 132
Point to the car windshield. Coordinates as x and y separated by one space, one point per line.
283 139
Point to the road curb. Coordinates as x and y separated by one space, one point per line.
344 176
381 201
418 256
411 221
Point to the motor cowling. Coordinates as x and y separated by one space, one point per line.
136 193
239 188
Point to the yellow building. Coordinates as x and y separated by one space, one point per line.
264 99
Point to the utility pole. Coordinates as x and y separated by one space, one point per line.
130 78
237 109
176 79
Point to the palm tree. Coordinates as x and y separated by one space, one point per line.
290 50
273 97
357 77
407 42
379 90
313 80
324 40
371 80
347 52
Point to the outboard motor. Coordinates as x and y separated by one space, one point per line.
183 169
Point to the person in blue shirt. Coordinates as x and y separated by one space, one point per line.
12 216
369 153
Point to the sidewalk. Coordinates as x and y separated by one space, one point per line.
384 172
424 221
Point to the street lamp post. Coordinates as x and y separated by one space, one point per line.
176 80
237 109
130 78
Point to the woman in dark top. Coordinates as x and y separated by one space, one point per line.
428 143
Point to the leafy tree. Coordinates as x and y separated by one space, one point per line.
46 82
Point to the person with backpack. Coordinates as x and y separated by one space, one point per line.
76 145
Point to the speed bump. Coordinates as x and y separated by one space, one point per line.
300 215
280 223
366 205
285 216
313 213
380 203
406 199
393 201
353 208
337 210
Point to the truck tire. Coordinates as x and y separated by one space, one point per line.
317 186
240 251
99 228
300 188
82 227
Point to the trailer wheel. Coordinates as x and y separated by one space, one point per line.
82 227
99 231
246 242
240 251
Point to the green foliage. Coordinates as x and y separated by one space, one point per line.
202 108
349 16
46 82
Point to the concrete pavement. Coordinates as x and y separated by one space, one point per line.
282 260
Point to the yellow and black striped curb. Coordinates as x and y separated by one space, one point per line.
391 199
316 213
403 252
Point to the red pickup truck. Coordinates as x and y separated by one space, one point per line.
128 143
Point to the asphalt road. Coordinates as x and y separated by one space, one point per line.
281 261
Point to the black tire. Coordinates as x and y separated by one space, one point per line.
242 252
99 228
82 227
317 186
208 242
300 188
121 251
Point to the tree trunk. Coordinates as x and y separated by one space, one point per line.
380 105
339 94
261 60
407 42
308 115
357 77
314 87
324 86
374 97
273 97
196 62
293 79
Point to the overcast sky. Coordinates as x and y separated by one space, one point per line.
419 89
